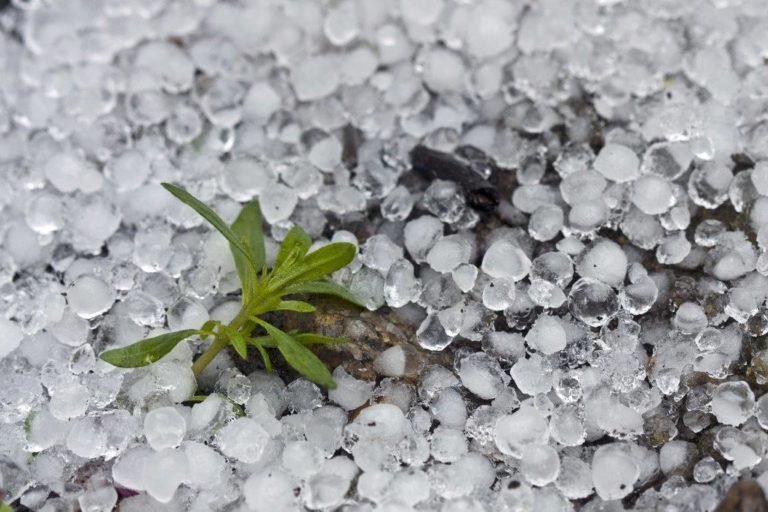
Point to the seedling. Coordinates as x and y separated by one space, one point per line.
296 271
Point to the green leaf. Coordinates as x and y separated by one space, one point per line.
298 306
262 341
236 340
247 227
265 357
299 357
146 351
208 328
5 508
319 263
293 247
308 338
323 287
215 221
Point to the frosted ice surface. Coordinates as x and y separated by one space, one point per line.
448 253
540 464
614 471
513 432
604 261
733 402
379 253
652 194
401 285
617 163
243 439
279 203
315 77
164 427
391 362
89 296
547 335
482 375
10 336
421 234
350 393
506 260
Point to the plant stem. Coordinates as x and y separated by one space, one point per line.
220 343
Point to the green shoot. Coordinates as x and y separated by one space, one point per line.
296 271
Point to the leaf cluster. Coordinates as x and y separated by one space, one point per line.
296 271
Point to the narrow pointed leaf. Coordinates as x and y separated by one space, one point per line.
319 263
299 357
214 220
236 340
265 358
323 287
146 351
262 341
208 328
308 338
247 227
298 306
293 247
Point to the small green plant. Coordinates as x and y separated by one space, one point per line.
296 271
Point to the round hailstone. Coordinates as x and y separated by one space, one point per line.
260 102
582 187
547 335
617 163
532 375
447 444
761 411
10 337
489 34
278 203
186 313
592 301
652 194
246 177
89 296
759 176
482 375
465 276
302 458
420 235
64 171
168 63
513 432
243 439
733 403
574 480
690 318
424 12
706 470
269 490
448 253
315 77
640 296
504 259
604 261
164 427
614 472
350 393
546 222
443 70
540 464
391 362
709 339
676 455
